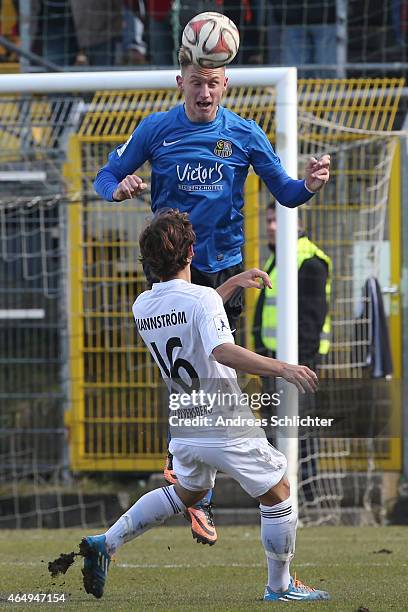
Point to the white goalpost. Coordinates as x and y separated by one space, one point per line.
284 81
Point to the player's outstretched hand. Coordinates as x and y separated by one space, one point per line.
305 379
130 187
249 278
317 172
244 279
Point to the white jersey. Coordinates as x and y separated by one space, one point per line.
181 324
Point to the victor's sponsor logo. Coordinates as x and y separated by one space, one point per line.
223 148
198 177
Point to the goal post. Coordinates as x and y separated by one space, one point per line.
284 81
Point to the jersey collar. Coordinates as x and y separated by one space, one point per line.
174 282
184 119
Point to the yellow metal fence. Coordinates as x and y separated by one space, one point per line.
115 386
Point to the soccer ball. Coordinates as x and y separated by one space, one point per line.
211 40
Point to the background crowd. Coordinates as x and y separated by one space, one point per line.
308 33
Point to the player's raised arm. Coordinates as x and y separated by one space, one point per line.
288 191
242 359
116 180
244 280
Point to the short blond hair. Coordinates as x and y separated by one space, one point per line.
184 57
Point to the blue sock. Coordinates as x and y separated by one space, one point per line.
206 499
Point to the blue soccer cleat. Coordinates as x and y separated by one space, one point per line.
297 591
96 564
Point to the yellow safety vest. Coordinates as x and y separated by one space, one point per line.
306 250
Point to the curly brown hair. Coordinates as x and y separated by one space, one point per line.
164 243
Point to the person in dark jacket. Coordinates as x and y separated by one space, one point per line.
314 290
77 32
313 294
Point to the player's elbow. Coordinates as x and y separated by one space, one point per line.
99 181
105 184
222 354
288 202
96 187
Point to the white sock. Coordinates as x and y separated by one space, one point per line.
150 510
278 533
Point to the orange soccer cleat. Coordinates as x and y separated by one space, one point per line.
202 523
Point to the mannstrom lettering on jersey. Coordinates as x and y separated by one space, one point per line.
162 320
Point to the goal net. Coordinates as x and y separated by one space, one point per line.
79 392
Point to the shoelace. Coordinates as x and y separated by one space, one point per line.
207 509
168 468
299 584
169 463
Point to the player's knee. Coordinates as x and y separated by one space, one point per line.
189 498
277 494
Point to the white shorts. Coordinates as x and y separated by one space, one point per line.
254 463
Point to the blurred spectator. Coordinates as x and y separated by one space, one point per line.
99 29
74 31
255 39
248 16
308 30
314 290
8 17
377 33
314 286
161 46
57 31
9 27
403 18
239 12
273 38
134 45
398 31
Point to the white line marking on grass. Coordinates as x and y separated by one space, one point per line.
204 565
243 565
185 565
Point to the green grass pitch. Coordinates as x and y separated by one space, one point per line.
165 570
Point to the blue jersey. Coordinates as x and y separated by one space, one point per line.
200 168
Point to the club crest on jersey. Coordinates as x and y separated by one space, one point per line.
223 148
